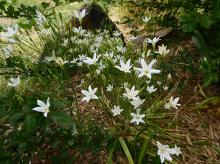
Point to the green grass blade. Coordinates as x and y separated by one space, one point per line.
125 148
111 153
142 153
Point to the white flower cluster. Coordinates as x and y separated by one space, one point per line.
164 151
7 50
144 70
98 61
14 82
173 103
9 34
80 14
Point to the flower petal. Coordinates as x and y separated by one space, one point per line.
41 103
152 63
38 109
45 114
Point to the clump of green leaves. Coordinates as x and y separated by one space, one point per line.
42 105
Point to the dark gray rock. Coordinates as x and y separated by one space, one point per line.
96 19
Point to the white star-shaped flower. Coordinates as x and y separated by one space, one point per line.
41 19
121 49
173 103
109 54
176 150
137 117
109 88
59 61
167 105
116 110
74 61
131 93
11 31
163 50
169 77
81 57
165 87
98 71
80 14
7 50
153 41
46 32
117 33
164 152
146 19
65 42
14 82
159 83
147 69
151 89
101 66
136 102
91 61
90 94
125 85
79 31
125 67
44 108
148 82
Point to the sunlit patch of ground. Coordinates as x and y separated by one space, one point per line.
33 2
7 21
66 11
116 14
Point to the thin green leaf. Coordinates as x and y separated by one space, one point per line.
143 150
126 150
111 153
211 100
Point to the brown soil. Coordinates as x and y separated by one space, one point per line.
197 131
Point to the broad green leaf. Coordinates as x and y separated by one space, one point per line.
206 21
30 123
16 117
189 27
216 12
200 43
62 119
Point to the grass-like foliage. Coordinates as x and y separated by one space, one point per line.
84 91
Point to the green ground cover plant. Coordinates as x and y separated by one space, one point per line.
66 90
195 18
